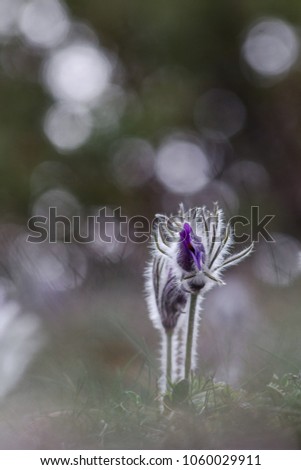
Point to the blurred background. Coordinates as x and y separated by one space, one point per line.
140 105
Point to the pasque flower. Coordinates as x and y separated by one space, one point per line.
190 251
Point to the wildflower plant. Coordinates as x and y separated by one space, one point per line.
189 253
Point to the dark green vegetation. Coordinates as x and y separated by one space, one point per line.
211 416
96 389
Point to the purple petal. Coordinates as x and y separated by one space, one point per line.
191 252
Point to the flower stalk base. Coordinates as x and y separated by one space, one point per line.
190 340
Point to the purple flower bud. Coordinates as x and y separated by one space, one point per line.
170 297
171 302
191 252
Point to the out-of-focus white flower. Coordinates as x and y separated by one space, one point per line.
20 339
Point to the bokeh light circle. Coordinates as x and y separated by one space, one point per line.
44 23
271 47
68 126
182 166
79 72
220 111
277 263
133 162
